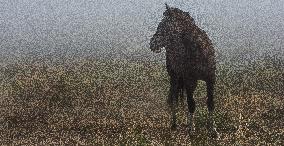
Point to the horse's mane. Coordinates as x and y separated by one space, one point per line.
192 33
179 14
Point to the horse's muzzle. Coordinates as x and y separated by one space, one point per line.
157 50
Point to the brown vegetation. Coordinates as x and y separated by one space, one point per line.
118 102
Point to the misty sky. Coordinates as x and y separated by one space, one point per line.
123 27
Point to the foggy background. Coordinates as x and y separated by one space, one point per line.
240 29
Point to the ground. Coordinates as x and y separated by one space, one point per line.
121 102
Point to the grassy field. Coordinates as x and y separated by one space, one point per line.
120 102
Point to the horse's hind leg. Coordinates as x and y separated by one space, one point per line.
181 92
210 105
190 87
210 95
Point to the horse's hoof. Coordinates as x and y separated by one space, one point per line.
173 126
213 134
191 130
192 133
169 101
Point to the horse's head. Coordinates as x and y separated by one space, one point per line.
169 29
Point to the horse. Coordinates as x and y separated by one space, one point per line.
190 56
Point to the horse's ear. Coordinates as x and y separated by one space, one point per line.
168 11
167 6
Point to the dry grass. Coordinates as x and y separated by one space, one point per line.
89 102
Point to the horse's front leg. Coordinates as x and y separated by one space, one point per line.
173 100
190 87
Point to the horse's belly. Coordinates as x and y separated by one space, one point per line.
188 66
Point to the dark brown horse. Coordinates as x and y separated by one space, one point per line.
190 57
